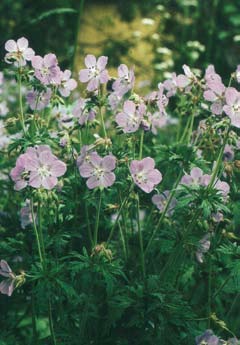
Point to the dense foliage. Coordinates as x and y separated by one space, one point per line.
119 212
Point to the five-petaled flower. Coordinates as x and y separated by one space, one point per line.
82 112
95 73
232 107
47 69
144 174
98 170
130 119
125 80
38 167
67 84
7 285
18 52
38 100
161 200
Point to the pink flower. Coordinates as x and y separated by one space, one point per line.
67 84
6 286
125 80
176 82
38 167
160 200
18 52
204 246
39 100
195 177
232 107
157 120
144 175
215 90
95 73
98 170
84 155
130 119
238 74
82 112
47 69
44 167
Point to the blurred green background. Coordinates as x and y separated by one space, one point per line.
155 36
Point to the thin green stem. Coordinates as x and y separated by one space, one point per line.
36 234
95 236
164 212
88 226
141 145
20 101
102 122
140 240
210 291
219 161
190 128
119 214
123 241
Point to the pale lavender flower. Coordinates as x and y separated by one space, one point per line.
195 177
98 170
232 107
114 100
160 200
47 69
238 74
157 121
207 338
214 90
7 285
203 248
222 187
67 83
174 83
18 52
1 78
130 119
211 75
82 112
38 167
84 156
38 100
144 174
162 100
64 116
217 217
95 73
44 167
125 80
228 153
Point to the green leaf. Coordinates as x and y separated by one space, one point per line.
50 13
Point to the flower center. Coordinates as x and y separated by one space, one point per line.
44 171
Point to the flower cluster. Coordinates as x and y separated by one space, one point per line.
37 168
